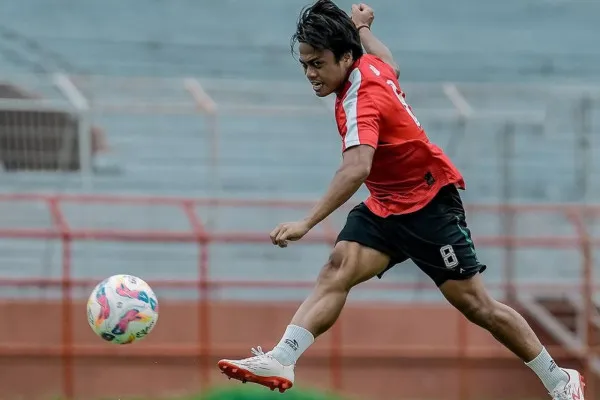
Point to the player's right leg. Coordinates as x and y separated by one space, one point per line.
359 255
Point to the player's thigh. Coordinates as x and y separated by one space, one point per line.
361 251
438 239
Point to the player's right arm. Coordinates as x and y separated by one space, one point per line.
362 16
358 120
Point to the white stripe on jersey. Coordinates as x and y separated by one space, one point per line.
350 105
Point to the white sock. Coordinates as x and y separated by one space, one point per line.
546 369
294 342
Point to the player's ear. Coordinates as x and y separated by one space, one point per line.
347 59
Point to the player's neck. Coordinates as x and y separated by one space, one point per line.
340 91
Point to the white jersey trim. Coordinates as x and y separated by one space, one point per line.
350 105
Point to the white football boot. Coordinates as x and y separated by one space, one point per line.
262 369
572 390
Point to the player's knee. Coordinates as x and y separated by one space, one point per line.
338 271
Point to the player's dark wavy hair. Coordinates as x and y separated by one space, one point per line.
325 26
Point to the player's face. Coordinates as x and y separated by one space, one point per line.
322 70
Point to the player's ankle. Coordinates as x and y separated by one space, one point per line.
546 369
294 342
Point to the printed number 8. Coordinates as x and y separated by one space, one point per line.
404 103
449 257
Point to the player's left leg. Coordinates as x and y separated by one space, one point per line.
438 240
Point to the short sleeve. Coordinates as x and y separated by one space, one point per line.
362 115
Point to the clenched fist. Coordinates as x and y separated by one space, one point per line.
362 14
291 231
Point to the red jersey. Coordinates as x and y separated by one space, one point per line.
408 170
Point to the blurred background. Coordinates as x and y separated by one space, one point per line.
165 139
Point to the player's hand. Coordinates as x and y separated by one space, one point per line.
289 231
362 14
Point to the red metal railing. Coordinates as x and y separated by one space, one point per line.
61 230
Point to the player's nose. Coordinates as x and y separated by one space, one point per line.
311 73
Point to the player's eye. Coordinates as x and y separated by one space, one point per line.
317 64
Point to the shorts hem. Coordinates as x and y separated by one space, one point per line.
364 243
371 246
480 269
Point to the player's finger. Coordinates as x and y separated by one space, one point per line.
282 239
281 235
282 242
274 233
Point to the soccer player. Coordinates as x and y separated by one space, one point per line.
414 210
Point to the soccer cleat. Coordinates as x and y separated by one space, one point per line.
262 369
572 390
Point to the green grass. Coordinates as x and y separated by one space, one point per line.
259 393
246 392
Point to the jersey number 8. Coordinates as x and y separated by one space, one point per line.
404 103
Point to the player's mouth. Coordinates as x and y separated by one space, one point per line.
317 86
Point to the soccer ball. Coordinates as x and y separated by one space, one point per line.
122 309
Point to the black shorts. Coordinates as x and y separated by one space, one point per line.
436 238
